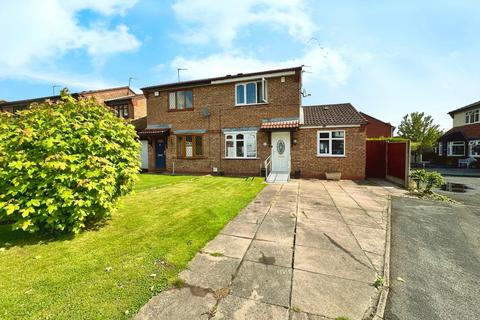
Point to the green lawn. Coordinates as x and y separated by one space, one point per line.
147 241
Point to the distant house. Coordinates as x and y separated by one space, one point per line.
248 123
377 128
463 140
123 100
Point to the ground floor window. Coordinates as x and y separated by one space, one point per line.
189 146
440 149
474 147
456 148
331 143
240 145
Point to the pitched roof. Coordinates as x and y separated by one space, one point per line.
469 131
207 81
55 98
332 114
470 106
367 116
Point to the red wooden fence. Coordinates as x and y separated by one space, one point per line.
388 160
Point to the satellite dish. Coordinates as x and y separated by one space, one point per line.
206 113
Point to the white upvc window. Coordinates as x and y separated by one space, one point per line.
440 149
254 92
241 145
472 116
474 148
331 143
456 148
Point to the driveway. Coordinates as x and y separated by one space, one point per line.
304 250
435 260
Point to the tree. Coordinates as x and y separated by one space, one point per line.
64 164
420 129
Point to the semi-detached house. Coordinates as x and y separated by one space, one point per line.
245 124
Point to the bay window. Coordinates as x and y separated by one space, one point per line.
180 100
254 92
331 143
240 145
189 146
456 148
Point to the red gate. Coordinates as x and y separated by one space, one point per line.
388 160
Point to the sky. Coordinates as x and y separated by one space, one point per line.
387 58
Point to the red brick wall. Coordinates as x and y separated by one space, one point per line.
305 159
139 107
376 128
103 95
283 101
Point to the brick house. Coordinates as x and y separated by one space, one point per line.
123 100
246 123
463 140
376 128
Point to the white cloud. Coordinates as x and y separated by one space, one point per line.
324 65
34 34
222 21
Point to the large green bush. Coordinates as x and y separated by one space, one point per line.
64 164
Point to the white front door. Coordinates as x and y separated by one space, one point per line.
144 154
281 151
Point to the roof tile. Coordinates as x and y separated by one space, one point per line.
332 114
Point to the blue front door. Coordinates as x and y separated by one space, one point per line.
160 154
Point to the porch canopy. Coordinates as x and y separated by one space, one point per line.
288 124
153 131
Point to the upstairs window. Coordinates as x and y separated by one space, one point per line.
189 146
331 143
254 92
472 116
180 100
121 110
456 148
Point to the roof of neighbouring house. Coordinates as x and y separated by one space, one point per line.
367 116
470 106
127 97
207 81
53 98
469 131
332 114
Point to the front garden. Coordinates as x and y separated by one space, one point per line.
110 271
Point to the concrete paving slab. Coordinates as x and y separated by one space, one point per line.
344 264
330 296
309 237
277 232
236 308
358 217
229 246
322 213
371 240
323 225
377 260
240 229
210 272
171 305
267 252
299 315
266 283
250 217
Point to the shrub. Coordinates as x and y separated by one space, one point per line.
64 164
427 180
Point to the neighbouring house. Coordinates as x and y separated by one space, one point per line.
249 123
377 128
129 105
463 140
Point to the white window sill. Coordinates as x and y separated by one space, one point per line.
256 158
251 104
331 156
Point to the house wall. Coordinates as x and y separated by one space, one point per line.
139 107
352 165
283 101
376 128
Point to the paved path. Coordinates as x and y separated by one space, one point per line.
304 250
435 249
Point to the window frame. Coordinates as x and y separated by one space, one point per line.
176 92
472 116
234 140
120 109
471 145
450 144
330 139
194 146
244 84
440 149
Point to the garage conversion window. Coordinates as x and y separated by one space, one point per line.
189 146
456 148
180 100
241 145
254 92
331 143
